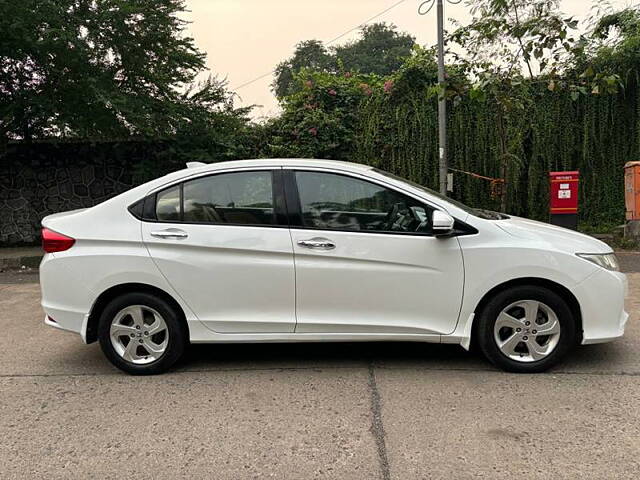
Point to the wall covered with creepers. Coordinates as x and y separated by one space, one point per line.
595 134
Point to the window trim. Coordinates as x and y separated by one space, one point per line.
149 210
295 205
181 202
287 209
278 197
292 197
137 208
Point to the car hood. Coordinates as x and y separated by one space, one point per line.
552 236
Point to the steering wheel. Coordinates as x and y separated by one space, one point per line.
390 219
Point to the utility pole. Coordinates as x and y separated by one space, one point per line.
443 166
442 103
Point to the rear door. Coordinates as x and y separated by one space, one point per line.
222 242
366 260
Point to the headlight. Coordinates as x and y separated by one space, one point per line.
604 260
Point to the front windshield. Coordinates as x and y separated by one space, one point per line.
477 212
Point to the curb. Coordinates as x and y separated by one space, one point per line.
18 263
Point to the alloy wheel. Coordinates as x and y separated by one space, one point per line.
527 331
139 334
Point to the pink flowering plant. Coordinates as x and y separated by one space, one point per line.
320 118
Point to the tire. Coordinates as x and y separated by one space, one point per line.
514 350
151 322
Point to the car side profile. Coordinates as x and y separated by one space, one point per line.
320 251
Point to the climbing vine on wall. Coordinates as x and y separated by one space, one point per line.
594 134
391 123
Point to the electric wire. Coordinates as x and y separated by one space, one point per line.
245 84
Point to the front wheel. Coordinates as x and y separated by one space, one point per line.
526 329
141 334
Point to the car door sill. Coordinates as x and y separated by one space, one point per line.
211 337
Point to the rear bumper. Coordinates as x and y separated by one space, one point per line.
67 321
64 297
601 297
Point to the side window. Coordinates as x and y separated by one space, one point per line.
332 201
240 198
168 204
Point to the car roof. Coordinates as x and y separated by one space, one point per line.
199 168
279 162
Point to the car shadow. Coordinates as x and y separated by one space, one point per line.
329 355
610 357
615 357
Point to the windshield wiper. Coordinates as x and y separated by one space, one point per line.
490 214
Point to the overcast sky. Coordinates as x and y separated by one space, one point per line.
244 39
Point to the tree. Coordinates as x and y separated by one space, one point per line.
213 128
381 50
103 68
311 54
621 25
615 46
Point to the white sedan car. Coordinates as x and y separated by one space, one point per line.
320 251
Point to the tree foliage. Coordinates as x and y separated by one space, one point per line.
310 54
380 50
615 44
104 68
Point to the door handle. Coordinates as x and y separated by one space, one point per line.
317 243
170 233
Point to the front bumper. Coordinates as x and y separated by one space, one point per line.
601 297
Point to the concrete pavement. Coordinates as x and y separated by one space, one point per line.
389 411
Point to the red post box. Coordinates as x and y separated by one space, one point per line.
563 199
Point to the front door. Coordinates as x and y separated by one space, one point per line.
221 242
366 261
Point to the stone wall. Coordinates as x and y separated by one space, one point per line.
43 178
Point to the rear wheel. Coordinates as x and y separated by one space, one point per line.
526 329
141 334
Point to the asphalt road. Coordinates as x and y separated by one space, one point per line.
344 411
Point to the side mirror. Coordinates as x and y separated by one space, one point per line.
442 223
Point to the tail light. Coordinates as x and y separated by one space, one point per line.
55 242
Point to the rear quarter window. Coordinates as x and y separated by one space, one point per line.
168 205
